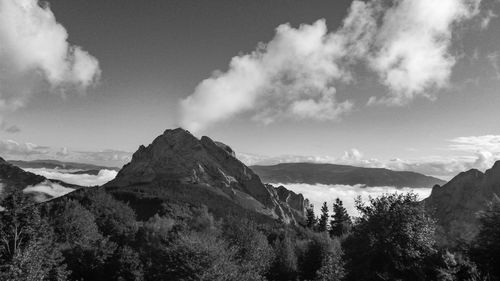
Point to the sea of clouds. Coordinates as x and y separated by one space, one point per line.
47 188
79 179
319 193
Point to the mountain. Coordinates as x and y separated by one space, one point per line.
178 167
312 173
457 204
54 164
13 178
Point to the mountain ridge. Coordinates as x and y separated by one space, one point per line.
457 205
323 173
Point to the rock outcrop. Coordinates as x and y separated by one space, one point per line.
457 204
177 158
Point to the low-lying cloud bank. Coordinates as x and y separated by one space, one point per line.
319 193
79 179
47 190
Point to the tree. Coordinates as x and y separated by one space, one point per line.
323 219
310 217
126 265
253 252
486 246
341 222
284 266
199 256
321 258
114 218
73 224
392 240
27 248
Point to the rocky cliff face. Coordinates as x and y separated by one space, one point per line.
457 204
177 156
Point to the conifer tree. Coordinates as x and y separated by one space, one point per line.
341 221
323 219
310 217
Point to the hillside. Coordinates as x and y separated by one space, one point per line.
39 188
312 173
457 204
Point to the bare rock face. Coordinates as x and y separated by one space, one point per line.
178 156
296 201
457 204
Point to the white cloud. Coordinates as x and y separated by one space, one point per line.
488 16
34 47
13 148
47 190
319 193
412 55
405 42
485 148
494 60
291 76
79 179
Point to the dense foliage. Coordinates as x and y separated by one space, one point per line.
92 236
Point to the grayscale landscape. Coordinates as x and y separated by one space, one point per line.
238 140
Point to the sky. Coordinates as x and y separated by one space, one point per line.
403 84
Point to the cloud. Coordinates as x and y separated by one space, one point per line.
485 148
487 18
47 190
13 148
350 157
110 156
292 76
412 46
406 43
79 179
494 60
475 152
10 149
319 193
35 49
476 143
11 129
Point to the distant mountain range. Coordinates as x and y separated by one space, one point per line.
54 164
312 173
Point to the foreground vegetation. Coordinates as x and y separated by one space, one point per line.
95 237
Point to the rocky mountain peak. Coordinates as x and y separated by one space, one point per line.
178 156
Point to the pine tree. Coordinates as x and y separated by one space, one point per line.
310 217
323 219
341 221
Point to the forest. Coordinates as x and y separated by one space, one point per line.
95 237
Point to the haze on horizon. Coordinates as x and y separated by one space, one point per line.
402 84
